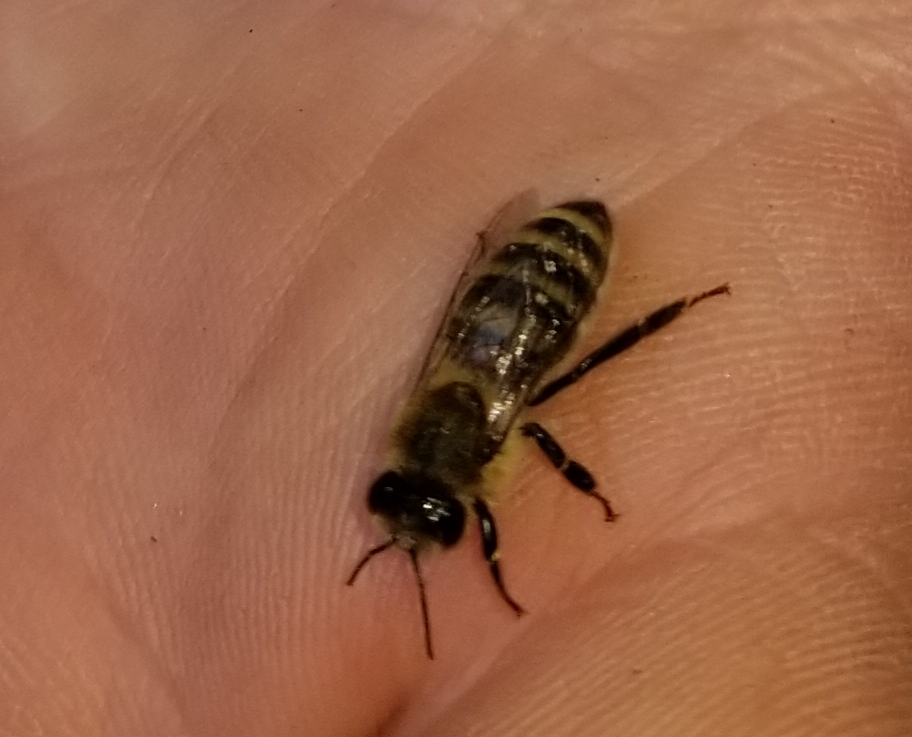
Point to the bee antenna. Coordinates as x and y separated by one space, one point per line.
370 554
413 554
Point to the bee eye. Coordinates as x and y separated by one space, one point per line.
448 516
387 492
423 508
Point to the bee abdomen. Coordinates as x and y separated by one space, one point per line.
505 319
564 253
551 272
521 312
580 232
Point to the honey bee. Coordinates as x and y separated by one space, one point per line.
513 317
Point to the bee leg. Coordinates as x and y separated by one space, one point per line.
625 339
574 472
489 546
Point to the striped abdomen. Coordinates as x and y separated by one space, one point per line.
520 314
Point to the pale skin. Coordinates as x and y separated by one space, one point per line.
227 233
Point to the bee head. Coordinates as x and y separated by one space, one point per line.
417 510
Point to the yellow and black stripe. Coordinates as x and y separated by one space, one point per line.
522 313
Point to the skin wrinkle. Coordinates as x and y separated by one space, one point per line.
184 135
142 642
670 176
840 546
123 625
349 190
247 376
339 202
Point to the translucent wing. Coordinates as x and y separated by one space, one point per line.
515 312
506 221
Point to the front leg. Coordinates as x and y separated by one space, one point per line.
489 547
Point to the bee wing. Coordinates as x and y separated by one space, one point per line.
508 219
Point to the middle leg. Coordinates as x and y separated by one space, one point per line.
574 472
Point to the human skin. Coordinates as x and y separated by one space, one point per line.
227 234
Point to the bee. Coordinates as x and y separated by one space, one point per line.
513 317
